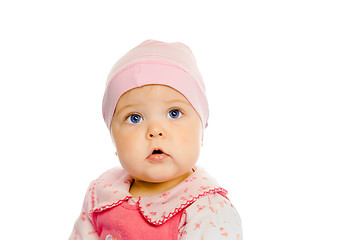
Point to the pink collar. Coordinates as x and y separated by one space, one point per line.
112 188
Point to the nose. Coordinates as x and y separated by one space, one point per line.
155 131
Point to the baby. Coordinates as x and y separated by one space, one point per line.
156 110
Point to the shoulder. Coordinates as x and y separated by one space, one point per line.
212 216
213 206
108 177
108 188
211 198
111 174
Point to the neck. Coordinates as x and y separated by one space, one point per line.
145 189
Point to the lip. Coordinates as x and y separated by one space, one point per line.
157 157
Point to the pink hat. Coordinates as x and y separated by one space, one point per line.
154 62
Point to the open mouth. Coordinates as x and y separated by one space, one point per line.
157 151
157 155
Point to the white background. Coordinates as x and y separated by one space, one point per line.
282 81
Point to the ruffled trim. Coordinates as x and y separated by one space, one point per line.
104 207
182 206
111 189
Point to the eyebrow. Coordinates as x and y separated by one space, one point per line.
176 101
117 111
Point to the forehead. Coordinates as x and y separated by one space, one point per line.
150 93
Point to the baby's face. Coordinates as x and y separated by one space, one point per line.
157 133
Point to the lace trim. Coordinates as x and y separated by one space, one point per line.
104 207
182 206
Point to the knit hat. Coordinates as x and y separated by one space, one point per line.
155 62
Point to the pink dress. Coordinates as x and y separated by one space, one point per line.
197 208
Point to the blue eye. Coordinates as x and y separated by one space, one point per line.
134 118
175 113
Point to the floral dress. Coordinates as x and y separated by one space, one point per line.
196 208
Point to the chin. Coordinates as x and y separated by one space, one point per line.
160 179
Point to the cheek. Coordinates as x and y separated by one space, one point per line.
193 132
128 143
190 138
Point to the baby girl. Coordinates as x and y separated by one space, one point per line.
156 110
